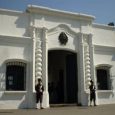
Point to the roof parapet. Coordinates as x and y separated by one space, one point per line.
46 10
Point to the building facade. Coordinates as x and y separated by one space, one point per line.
62 48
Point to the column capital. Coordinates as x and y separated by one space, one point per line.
44 35
90 40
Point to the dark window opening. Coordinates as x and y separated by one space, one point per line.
15 77
102 79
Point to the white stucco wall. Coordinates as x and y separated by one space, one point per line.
15 43
103 35
13 23
106 57
51 21
15 49
104 53
53 41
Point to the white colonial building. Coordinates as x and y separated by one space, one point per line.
65 49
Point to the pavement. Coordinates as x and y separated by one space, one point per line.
68 110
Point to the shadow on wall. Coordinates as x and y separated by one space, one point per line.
27 101
113 58
11 100
112 86
2 77
22 22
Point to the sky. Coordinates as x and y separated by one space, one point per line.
103 10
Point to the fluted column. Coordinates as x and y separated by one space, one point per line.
81 57
81 66
33 36
45 67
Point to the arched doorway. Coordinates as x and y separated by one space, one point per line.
62 77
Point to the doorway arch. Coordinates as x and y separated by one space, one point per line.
62 77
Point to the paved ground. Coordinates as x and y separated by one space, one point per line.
75 110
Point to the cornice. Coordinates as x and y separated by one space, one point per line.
13 12
103 26
103 47
62 28
7 38
50 11
10 11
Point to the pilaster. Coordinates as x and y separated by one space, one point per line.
41 61
81 58
31 79
38 55
87 62
82 96
33 36
85 67
45 68
92 63
91 49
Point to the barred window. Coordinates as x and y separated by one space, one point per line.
103 77
15 76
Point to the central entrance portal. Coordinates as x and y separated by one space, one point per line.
62 77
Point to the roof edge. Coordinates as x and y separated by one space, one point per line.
47 10
11 11
103 26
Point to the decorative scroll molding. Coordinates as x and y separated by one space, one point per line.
40 44
62 28
87 61
38 55
36 35
87 67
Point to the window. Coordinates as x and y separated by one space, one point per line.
103 77
15 76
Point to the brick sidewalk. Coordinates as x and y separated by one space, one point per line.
75 110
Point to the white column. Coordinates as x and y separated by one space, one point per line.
38 57
87 67
83 96
33 63
31 78
45 68
81 58
91 47
91 50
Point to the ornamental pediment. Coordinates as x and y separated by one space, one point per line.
62 28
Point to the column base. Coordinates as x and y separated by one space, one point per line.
85 99
45 103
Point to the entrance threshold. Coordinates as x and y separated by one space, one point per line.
63 105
